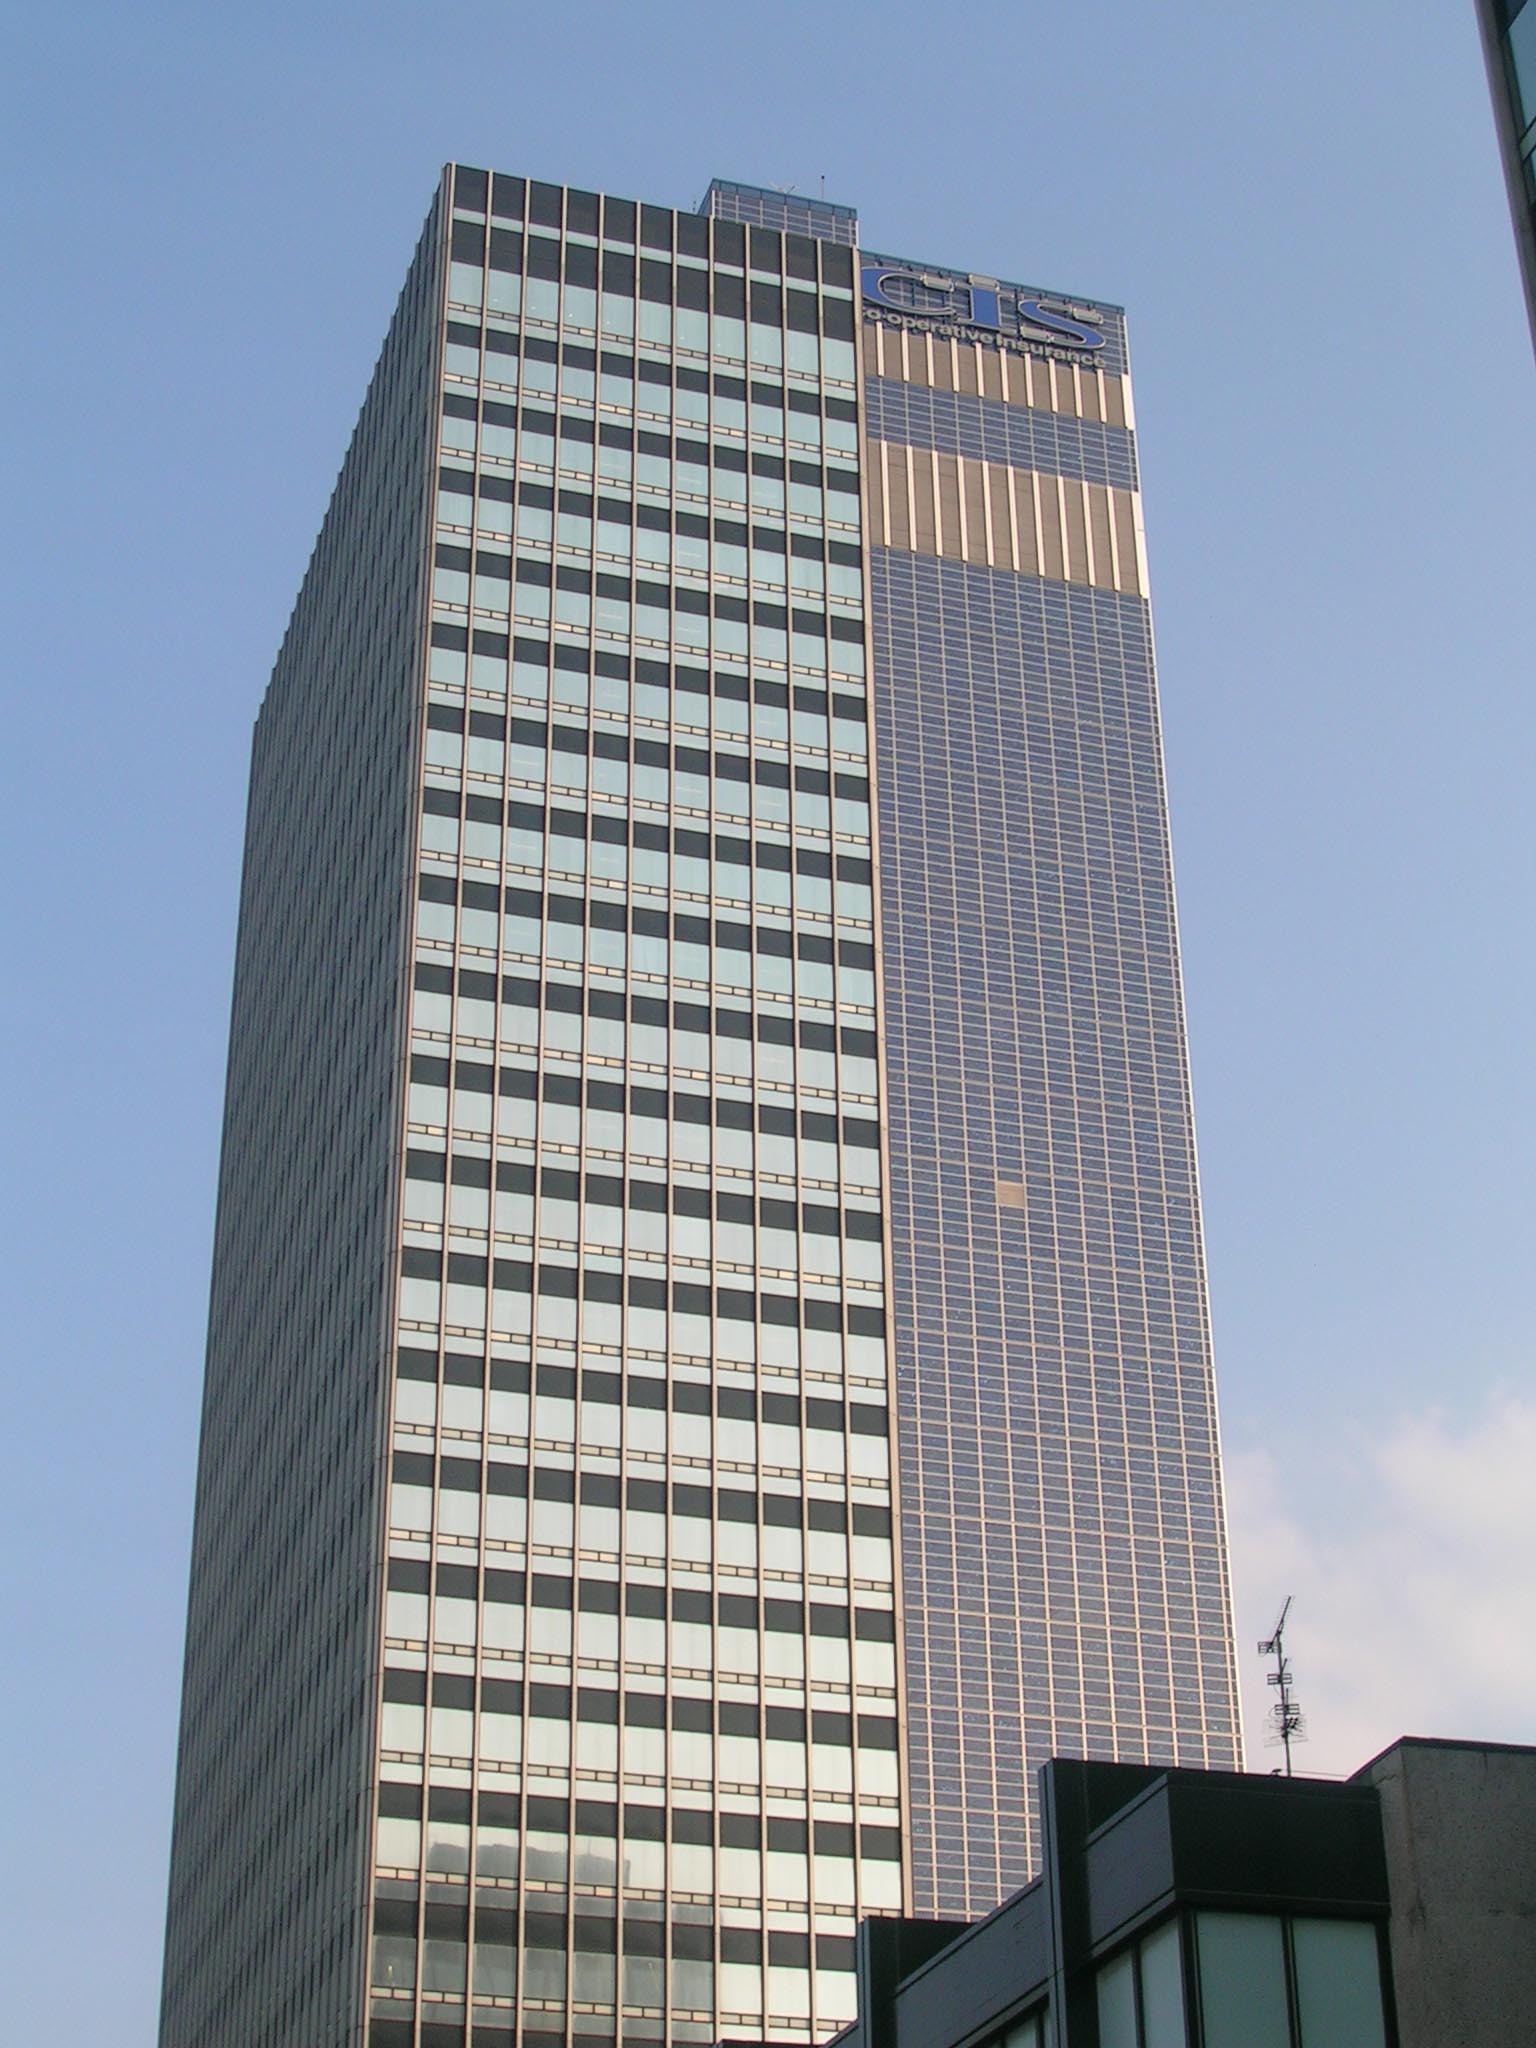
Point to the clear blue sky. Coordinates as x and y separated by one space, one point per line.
208 212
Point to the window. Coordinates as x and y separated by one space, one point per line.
1267 1982
1141 1994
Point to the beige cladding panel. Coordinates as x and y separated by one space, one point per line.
945 364
1005 552
1031 523
952 538
1053 527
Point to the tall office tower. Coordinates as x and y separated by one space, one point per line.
1509 48
708 1378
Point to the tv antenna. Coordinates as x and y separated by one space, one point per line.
1287 1722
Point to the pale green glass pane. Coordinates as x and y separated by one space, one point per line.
1338 1984
1025 2035
1117 2003
1242 1981
1162 1990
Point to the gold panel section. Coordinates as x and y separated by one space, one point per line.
1010 1194
1004 518
945 364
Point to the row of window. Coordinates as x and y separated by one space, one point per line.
1259 1981
645 1012
601 1818
521 1084
530 359
645 457
695 529
737 1404
634 1389
618 944
653 279
499 1587
658 1197
530 823
724 455
535 576
500 1961
745 804
610 1708
594 1932
692 235
606 744
600 1489
653 1496
553 908
771 350
583 683
602 1284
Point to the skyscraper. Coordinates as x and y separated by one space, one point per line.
1509 49
709 1380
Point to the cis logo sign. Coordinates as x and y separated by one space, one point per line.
994 307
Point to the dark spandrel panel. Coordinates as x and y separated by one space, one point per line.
837 266
1067 1556
765 250
619 220
508 197
544 209
656 228
957 423
470 189
730 240
800 258
581 212
693 236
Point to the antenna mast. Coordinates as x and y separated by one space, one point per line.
1288 1722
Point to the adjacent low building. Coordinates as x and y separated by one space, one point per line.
1204 1909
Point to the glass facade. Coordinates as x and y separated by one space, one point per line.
600 1060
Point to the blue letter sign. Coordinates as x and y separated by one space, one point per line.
998 310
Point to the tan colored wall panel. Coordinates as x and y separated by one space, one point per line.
1053 548
1026 523
1078 569
942 364
1004 554
984 512
973 481
900 499
877 523
1124 505
925 524
951 540
1101 537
